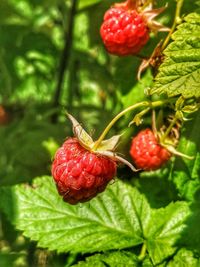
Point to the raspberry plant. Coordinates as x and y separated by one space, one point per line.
140 208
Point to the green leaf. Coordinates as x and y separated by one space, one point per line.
184 258
185 173
118 218
112 259
110 221
157 187
164 230
191 235
147 262
180 72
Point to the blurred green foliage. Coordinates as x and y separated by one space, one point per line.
95 86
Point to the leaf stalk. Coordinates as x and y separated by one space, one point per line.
143 252
177 20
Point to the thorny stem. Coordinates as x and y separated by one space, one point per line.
143 252
131 108
177 20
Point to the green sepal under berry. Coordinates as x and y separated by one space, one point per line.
86 140
105 147
179 74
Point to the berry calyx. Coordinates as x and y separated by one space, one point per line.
125 29
80 174
146 151
82 168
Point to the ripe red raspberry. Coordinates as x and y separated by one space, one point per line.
124 31
147 153
80 174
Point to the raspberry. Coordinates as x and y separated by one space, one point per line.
80 174
124 32
147 153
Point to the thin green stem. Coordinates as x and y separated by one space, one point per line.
143 252
138 117
167 132
154 127
177 20
131 108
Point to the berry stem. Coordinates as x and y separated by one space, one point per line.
167 132
154 126
131 108
138 117
143 252
177 20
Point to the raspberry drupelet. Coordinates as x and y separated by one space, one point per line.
80 174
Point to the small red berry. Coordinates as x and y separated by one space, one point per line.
80 174
147 153
124 31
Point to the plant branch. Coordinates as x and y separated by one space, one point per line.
65 57
177 20
145 104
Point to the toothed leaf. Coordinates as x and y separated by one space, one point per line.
118 218
184 258
112 259
179 74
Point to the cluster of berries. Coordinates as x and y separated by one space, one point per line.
81 173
